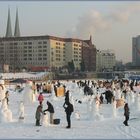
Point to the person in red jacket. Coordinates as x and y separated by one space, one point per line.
40 98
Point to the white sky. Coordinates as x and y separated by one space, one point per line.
112 24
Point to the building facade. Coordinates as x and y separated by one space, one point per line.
136 51
43 52
105 60
89 55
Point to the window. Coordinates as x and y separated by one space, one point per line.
39 58
44 42
39 42
29 43
39 54
29 54
30 47
39 46
39 50
44 58
44 50
25 51
45 54
57 51
57 59
25 43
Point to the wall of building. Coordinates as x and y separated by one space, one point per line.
105 60
42 51
136 51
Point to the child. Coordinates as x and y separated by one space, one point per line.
40 98
38 115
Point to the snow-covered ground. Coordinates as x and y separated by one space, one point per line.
29 75
106 126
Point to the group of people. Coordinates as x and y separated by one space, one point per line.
107 91
67 106
40 112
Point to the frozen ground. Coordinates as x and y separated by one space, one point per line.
86 127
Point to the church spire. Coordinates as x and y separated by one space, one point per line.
9 28
17 30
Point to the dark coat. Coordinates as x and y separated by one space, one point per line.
69 109
50 107
38 112
67 96
126 110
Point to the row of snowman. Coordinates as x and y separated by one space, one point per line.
5 112
29 96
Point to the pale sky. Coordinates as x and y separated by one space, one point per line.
112 24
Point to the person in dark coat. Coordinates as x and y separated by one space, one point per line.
126 114
68 109
67 96
108 96
38 115
101 98
55 90
50 109
7 97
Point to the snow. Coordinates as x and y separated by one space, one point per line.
89 119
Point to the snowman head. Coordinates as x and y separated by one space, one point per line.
2 82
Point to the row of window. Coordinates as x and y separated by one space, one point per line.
40 58
58 43
57 59
77 49
26 51
76 45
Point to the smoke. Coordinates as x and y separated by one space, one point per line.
94 21
123 14
89 23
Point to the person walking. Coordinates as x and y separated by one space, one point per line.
68 109
126 114
50 109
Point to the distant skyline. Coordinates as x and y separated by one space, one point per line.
112 24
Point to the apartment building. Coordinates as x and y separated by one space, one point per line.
105 60
136 51
46 51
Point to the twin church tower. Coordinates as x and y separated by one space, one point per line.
9 28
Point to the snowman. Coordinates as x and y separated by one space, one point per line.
21 111
28 93
2 90
114 109
6 114
45 119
